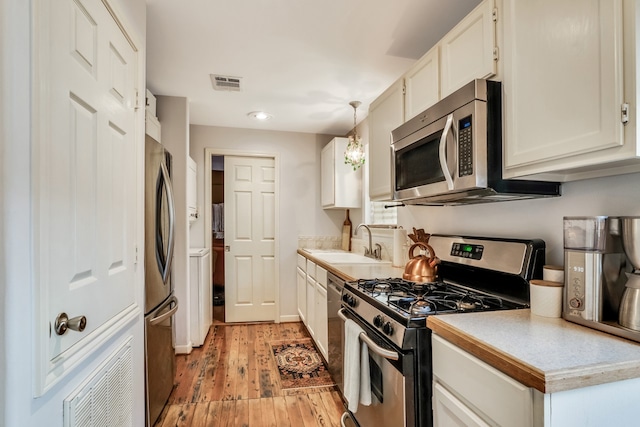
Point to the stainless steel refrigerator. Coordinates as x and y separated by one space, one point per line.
160 302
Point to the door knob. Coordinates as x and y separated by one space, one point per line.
63 323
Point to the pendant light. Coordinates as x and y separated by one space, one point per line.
354 154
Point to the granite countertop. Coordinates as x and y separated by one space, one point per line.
548 354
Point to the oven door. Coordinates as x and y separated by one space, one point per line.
388 381
448 155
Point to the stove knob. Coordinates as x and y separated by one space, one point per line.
378 321
349 299
575 303
388 328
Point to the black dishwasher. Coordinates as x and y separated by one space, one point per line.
335 328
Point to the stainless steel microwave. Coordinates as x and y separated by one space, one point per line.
452 153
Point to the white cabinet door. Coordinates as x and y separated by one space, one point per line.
449 411
302 294
422 84
322 319
467 51
85 192
385 114
563 83
340 184
311 305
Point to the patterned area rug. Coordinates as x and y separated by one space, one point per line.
299 364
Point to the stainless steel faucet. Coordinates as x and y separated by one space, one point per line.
370 252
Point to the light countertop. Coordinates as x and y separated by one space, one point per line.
349 272
548 354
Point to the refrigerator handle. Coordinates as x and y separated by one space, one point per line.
156 319
172 221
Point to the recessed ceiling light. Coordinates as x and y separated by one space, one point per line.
259 115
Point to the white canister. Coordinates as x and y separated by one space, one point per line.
546 298
553 273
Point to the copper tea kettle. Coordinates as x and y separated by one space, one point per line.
421 268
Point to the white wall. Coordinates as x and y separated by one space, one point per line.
540 218
17 406
300 210
173 114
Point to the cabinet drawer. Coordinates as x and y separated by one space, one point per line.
321 277
302 263
503 400
311 269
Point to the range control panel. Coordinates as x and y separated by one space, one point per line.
466 250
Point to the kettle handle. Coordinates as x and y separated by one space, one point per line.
432 253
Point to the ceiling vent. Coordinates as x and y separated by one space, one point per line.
227 83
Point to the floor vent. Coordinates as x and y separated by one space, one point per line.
105 399
227 83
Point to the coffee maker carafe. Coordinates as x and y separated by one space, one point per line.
629 315
602 283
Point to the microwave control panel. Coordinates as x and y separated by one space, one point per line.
465 147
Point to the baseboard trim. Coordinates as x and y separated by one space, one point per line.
183 349
290 318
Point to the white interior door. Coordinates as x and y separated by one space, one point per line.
249 238
87 175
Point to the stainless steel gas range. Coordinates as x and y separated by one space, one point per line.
475 274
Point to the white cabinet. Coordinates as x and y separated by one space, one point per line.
463 54
312 302
467 51
302 288
321 327
341 185
192 190
385 114
566 80
488 394
311 295
422 84
201 301
468 391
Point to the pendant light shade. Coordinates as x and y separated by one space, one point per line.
354 154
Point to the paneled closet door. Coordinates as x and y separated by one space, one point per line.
86 180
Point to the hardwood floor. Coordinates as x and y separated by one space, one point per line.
232 380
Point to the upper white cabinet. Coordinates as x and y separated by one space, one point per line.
192 193
468 50
566 82
385 114
422 84
152 125
341 185
464 54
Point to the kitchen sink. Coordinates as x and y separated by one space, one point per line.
343 257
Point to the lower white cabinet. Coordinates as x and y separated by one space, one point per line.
311 306
201 303
301 288
321 327
469 392
312 302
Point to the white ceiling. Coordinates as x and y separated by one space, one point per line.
302 61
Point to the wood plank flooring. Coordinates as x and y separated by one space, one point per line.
232 380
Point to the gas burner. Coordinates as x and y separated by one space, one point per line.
422 307
382 288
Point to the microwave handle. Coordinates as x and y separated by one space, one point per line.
443 151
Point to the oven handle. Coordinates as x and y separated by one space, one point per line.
443 152
387 354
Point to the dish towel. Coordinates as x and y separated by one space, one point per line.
357 381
